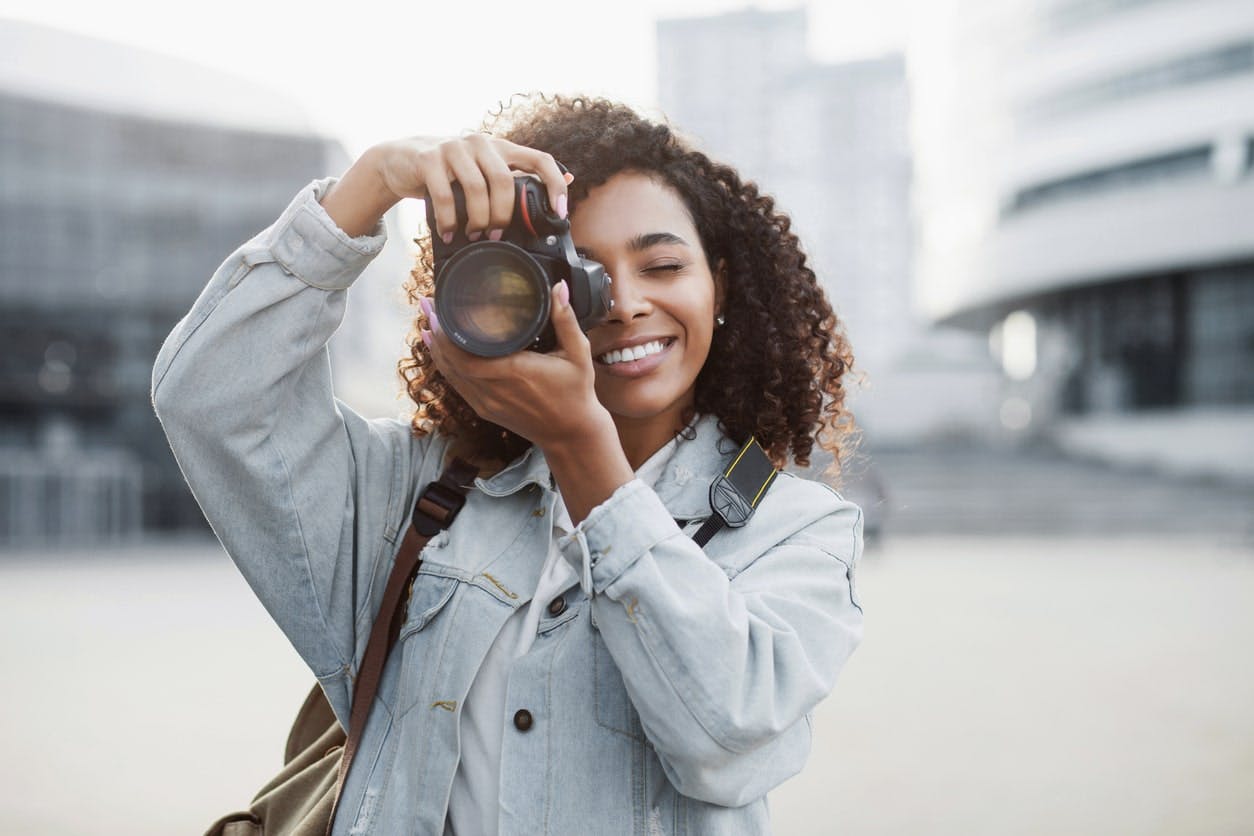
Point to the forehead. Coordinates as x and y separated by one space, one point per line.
628 205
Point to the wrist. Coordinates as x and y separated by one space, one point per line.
588 466
595 435
360 197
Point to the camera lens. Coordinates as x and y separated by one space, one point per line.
492 298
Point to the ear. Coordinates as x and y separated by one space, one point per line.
720 287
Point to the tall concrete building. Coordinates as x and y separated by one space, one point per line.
1086 192
125 179
719 76
831 143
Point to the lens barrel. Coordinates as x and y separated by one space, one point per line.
493 298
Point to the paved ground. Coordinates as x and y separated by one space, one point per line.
1026 685
1035 686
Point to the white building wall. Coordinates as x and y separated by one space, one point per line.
1008 98
1092 162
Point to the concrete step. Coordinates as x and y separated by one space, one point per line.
981 491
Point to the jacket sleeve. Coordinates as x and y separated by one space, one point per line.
305 495
724 667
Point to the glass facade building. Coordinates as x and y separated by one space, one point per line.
110 224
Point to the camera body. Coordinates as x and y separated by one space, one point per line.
494 297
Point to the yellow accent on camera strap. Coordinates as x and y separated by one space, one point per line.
735 494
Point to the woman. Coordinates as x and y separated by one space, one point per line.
571 662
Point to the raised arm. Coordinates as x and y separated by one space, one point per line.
307 497
303 493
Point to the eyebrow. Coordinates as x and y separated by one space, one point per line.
640 243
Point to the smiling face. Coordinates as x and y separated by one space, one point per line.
648 352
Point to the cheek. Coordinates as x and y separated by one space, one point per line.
701 319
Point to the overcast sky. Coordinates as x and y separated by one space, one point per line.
391 68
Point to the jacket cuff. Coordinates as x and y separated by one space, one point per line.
616 534
307 244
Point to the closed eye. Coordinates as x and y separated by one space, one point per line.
673 268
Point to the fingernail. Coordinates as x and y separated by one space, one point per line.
563 293
474 236
496 234
569 178
426 336
561 206
429 310
447 237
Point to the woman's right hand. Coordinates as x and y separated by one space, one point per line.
425 168
484 165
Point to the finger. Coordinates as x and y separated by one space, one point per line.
439 346
500 191
466 171
455 361
440 195
572 342
543 164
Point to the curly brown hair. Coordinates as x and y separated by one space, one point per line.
775 368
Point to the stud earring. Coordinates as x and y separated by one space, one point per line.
719 320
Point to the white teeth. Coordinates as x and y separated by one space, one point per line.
626 355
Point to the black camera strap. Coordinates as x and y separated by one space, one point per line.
735 493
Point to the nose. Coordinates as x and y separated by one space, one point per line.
627 299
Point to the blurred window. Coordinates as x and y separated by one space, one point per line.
1076 14
1185 163
1220 355
1210 65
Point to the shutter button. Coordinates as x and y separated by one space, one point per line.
557 606
522 719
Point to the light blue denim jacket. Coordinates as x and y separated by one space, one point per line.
670 701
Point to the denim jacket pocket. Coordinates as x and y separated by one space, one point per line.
420 636
613 706
427 596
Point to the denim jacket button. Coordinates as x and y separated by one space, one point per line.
522 719
557 606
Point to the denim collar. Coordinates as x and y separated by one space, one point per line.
683 487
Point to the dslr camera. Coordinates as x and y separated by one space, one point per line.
494 297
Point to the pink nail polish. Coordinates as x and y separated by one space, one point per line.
447 237
496 234
429 309
561 206
475 236
426 336
563 293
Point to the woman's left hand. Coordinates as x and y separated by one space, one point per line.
548 399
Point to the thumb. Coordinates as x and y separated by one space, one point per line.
571 339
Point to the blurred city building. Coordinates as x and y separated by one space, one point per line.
831 143
126 177
1086 198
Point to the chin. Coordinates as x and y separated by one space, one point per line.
640 406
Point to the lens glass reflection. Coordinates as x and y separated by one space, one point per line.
496 298
496 304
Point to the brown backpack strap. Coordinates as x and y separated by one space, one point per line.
435 509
